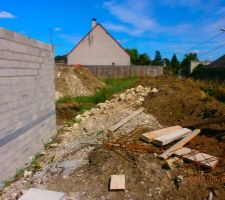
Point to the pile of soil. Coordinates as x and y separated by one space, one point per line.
180 101
75 81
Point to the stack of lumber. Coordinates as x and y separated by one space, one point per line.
171 134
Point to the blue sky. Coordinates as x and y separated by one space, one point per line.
171 26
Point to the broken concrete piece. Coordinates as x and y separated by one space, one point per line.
203 159
147 137
117 182
170 137
180 144
37 194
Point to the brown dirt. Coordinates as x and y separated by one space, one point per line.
75 81
181 101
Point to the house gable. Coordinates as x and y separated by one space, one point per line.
98 47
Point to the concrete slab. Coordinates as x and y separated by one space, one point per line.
37 194
203 159
117 182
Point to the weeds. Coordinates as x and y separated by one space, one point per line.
214 89
85 103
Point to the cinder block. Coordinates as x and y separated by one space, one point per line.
37 194
117 182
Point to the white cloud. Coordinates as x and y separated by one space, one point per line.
57 29
70 38
6 15
132 14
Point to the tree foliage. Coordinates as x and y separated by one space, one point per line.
61 59
138 59
185 64
175 65
158 59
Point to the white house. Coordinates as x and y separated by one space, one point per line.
98 47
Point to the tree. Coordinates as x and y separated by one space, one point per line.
167 62
158 59
133 55
175 65
186 62
197 72
61 59
144 59
138 59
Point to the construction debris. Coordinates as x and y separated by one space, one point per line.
201 159
147 137
180 144
125 120
37 194
117 182
170 137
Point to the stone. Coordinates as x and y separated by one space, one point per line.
27 173
122 96
139 88
154 90
37 194
117 182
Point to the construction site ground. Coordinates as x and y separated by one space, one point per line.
80 160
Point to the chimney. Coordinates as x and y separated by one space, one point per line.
94 22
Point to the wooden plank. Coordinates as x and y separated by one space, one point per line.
180 144
170 137
117 182
147 137
203 159
126 119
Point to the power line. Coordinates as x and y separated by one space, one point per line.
219 47
202 43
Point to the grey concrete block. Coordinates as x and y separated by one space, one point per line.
37 194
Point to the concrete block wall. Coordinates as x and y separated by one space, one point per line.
110 71
27 101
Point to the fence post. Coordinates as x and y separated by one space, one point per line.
130 71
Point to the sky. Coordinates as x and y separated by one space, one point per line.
170 26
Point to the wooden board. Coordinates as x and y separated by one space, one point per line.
147 137
180 144
203 159
170 137
126 119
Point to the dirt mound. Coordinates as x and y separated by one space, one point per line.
75 81
180 101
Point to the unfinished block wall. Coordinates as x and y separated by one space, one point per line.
27 102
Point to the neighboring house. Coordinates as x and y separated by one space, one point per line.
98 47
219 63
194 64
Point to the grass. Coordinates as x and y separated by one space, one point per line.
112 87
214 89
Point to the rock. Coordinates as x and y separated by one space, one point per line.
54 145
139 88
102 106
129 97
122 96
178 181
78 118
154 90
42 153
